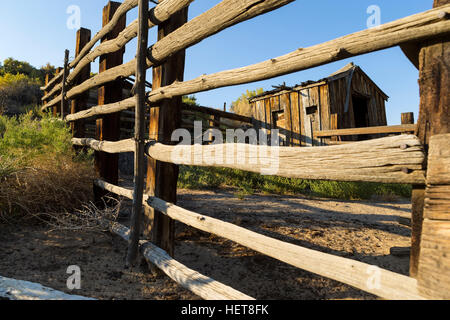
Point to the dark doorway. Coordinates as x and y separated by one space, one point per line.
361 111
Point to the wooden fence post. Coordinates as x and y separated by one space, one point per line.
408 118
164 119
63 90
139 131
434 262
80 102
213 123
55 108
108 126
434 118
48 77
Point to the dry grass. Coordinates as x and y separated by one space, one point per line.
49 183
88 218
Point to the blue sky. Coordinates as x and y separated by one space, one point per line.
36 31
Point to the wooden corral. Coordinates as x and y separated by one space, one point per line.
346 99
126 129
209 117
332 110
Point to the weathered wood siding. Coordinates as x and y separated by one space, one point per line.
363 85
296 119
297 125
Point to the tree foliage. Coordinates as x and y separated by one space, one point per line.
16 67
242 105
19 85
190 100
18 91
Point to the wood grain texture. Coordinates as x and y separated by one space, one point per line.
434 261
139 132
119 14
225 14
369 130
13 289
434 265
437 202
203 286
121 11
351 272
380 160
108 126
165 118
417 27
218 113
417 205
439 160
80 102
64 99
407 118
106 146
159 14
434 113
57 77
103 109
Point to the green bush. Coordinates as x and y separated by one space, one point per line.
27 136
18 91
3 121
40 174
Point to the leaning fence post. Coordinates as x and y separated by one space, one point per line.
164 119
63 90
108 126
139 156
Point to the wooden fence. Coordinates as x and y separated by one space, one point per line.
422 160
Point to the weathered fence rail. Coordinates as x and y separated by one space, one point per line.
406 128
389 160
354 273
205 287
400 159
13 289
415 28
226 14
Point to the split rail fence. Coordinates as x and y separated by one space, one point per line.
421 159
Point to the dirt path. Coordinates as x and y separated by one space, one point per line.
363 231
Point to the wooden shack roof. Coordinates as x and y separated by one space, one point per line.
278 89
344 72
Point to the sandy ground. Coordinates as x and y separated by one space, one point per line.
363 231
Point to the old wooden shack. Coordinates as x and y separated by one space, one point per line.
347 98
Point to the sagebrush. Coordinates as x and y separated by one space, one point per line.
39 170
